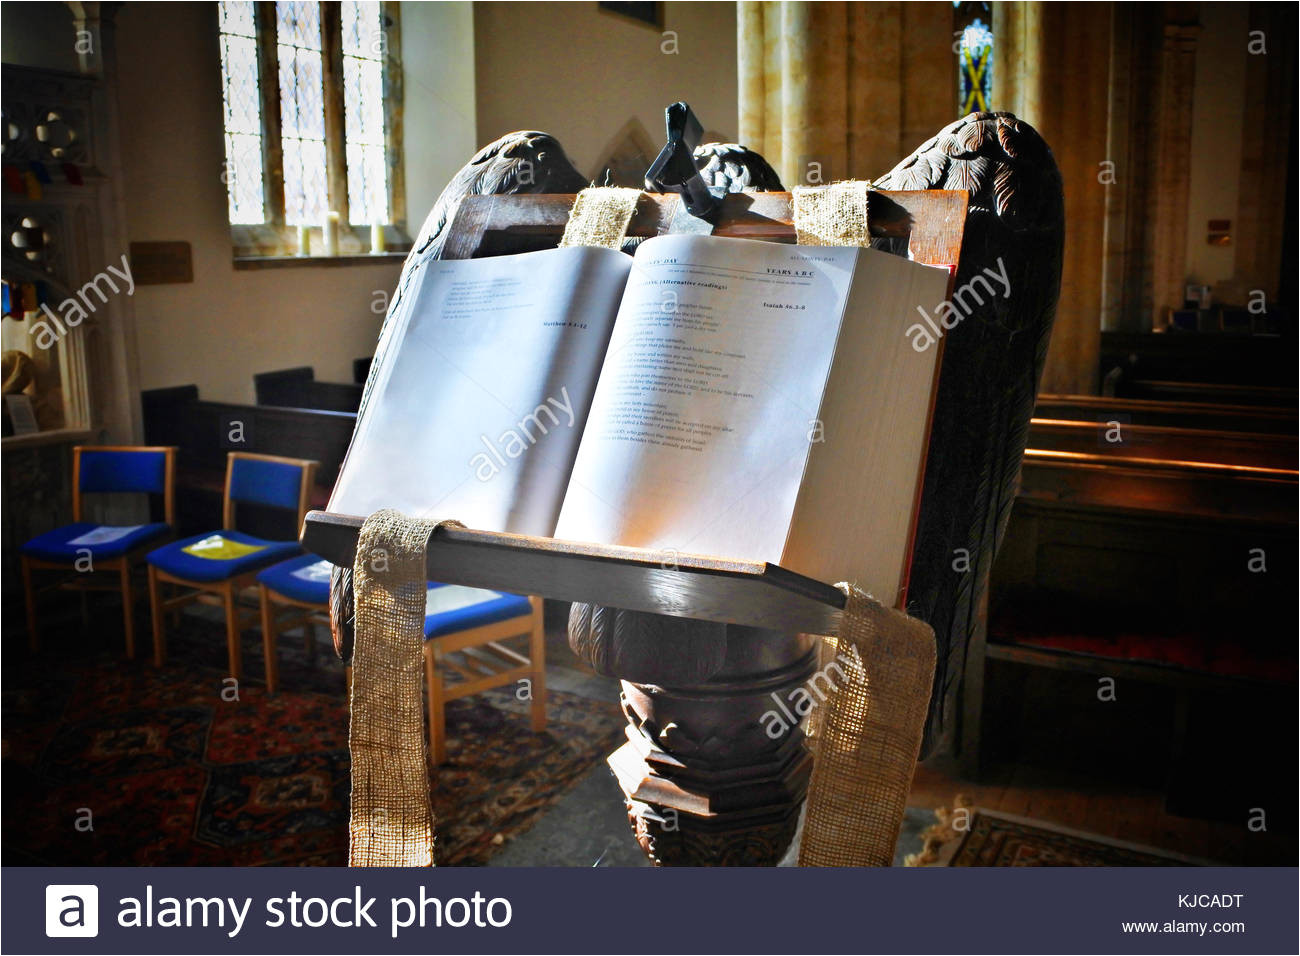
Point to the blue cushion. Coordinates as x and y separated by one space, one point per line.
123 471
265 482
176 561
305 578
454 608
72 541
451 608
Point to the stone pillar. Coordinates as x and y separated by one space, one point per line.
1173 161
1052 63
837 90
1266 154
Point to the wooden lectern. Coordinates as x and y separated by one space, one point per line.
704 782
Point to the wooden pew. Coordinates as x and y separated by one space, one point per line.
298 388
1221 358
1137 564
1164 443
205 431
1130 411
1214 392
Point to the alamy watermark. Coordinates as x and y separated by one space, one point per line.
513 442
950 312
77 308
801 701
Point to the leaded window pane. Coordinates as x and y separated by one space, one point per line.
299 70
302 113
242 113
298 24
364 44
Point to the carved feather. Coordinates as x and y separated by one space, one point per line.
523 162
736 168
992 362
647 648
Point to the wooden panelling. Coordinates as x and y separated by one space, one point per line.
1164 443
1216 417
298 388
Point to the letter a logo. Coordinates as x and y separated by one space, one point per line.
71 909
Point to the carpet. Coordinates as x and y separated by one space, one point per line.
109 762
1000 839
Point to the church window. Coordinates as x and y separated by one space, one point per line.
310 126
973 44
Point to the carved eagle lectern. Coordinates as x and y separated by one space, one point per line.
991 366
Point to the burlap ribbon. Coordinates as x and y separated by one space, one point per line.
834 215
866 734
392 818
600 217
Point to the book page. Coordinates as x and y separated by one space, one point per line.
478 411
709 397
861 488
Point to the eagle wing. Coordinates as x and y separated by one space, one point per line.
992 362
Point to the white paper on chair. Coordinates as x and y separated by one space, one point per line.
105 533
453 597
318 572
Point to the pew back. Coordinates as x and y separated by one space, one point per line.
205 431
298 388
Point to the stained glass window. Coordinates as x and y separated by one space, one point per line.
302 113
363 98
974 48
242 102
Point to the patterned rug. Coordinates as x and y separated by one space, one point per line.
998 839
113 762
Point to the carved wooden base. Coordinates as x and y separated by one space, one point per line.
687 844
708 779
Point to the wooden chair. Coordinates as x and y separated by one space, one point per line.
293 593
216 567
465 630
106 469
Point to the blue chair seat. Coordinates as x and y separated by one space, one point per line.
451 608
229 553
69 543
305 578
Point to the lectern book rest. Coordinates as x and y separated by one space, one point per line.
707 396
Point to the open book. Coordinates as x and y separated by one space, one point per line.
729 397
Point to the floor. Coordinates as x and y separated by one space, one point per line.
1131 813
588 825
1073 795
1054 752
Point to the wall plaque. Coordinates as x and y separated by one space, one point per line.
161 263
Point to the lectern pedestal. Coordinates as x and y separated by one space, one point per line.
707 778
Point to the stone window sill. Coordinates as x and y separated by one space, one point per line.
300 262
